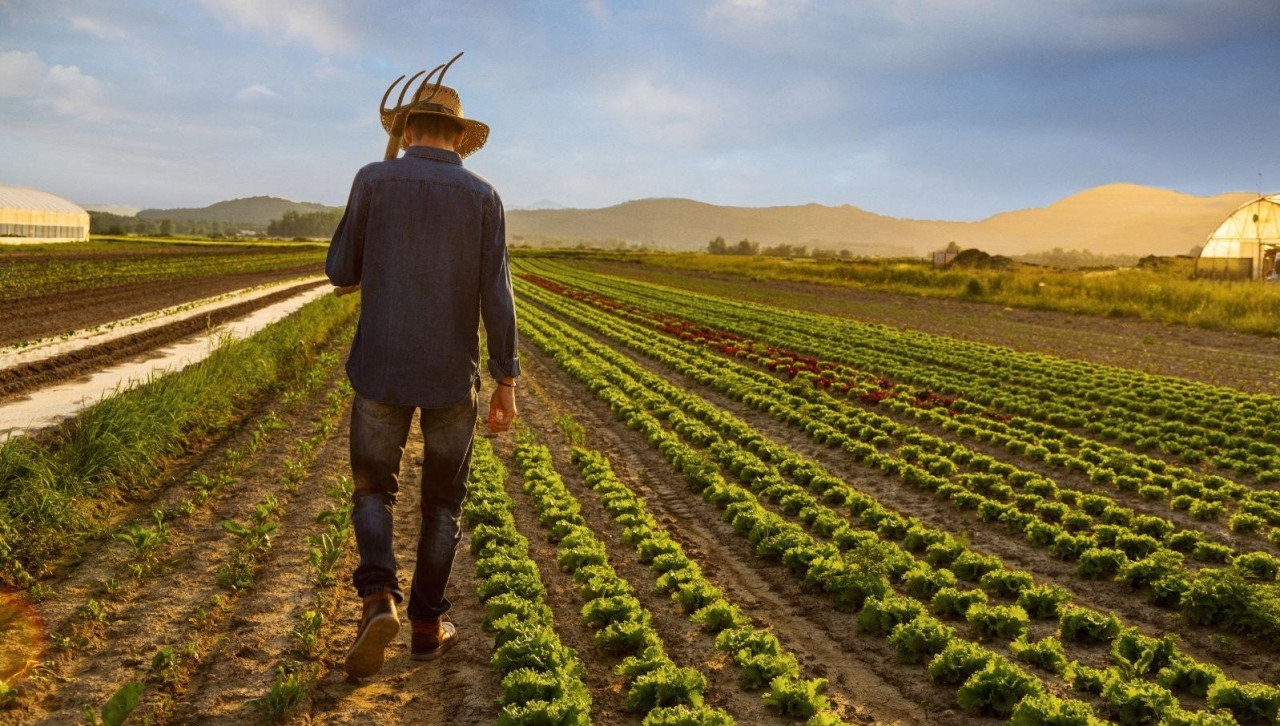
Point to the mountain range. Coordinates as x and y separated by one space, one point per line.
1126 219
1116 219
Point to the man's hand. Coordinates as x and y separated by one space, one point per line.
502 407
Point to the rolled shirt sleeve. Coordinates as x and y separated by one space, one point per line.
497 303
346 251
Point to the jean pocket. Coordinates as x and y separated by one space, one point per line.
376 410
438 418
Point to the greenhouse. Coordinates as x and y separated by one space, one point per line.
30 215
1244 247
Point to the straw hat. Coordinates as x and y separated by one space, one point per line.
433 100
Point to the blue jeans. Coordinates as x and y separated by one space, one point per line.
378 435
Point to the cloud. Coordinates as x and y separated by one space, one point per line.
98 28
66 90
596 9
317 23
257 90
756 12
944 36
658 113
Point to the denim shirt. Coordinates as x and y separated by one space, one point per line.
426 240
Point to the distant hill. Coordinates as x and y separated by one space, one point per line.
250 211
1110 219
1114 218
541 204
117 209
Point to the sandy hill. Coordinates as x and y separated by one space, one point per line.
253 211
1110 219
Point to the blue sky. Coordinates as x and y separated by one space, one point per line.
915 108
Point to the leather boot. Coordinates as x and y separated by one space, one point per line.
432 638
378 627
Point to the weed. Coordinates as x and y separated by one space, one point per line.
163 665
93 611
286 692
306 634
326 550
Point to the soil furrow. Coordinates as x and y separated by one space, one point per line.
258 633
29 377
39 316
608 699
166 607
824 639
1242 658
458 688
685 642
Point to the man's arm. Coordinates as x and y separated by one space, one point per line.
346 250
498 308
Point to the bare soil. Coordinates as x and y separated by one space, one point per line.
685 642
40 316
867 681
170 603
33 376
459 688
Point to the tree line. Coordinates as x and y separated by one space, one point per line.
291 224
310 224
119 225
746 247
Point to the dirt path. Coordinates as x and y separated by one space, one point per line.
41 316
866 677
1247 362
457 689
257 636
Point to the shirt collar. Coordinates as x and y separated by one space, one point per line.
434 154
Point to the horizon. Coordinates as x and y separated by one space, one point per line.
532 207
931 111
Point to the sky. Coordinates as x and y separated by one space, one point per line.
931 109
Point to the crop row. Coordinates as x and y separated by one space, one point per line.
782 542
54 275
299 670
165 676
1232 429
1205 497
1059 519
854 576
56 491
542 679
656 687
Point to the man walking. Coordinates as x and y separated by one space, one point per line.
424 239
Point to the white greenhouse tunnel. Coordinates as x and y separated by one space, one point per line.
33 216
1245 246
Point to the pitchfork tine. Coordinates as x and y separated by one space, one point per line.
400 101
443 71
418 95
387 95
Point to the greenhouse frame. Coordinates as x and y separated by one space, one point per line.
1245 246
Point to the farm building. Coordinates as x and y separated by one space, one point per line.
30 215
1245 246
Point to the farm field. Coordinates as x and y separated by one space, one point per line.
1220 357
60 288
716 510
1164 291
